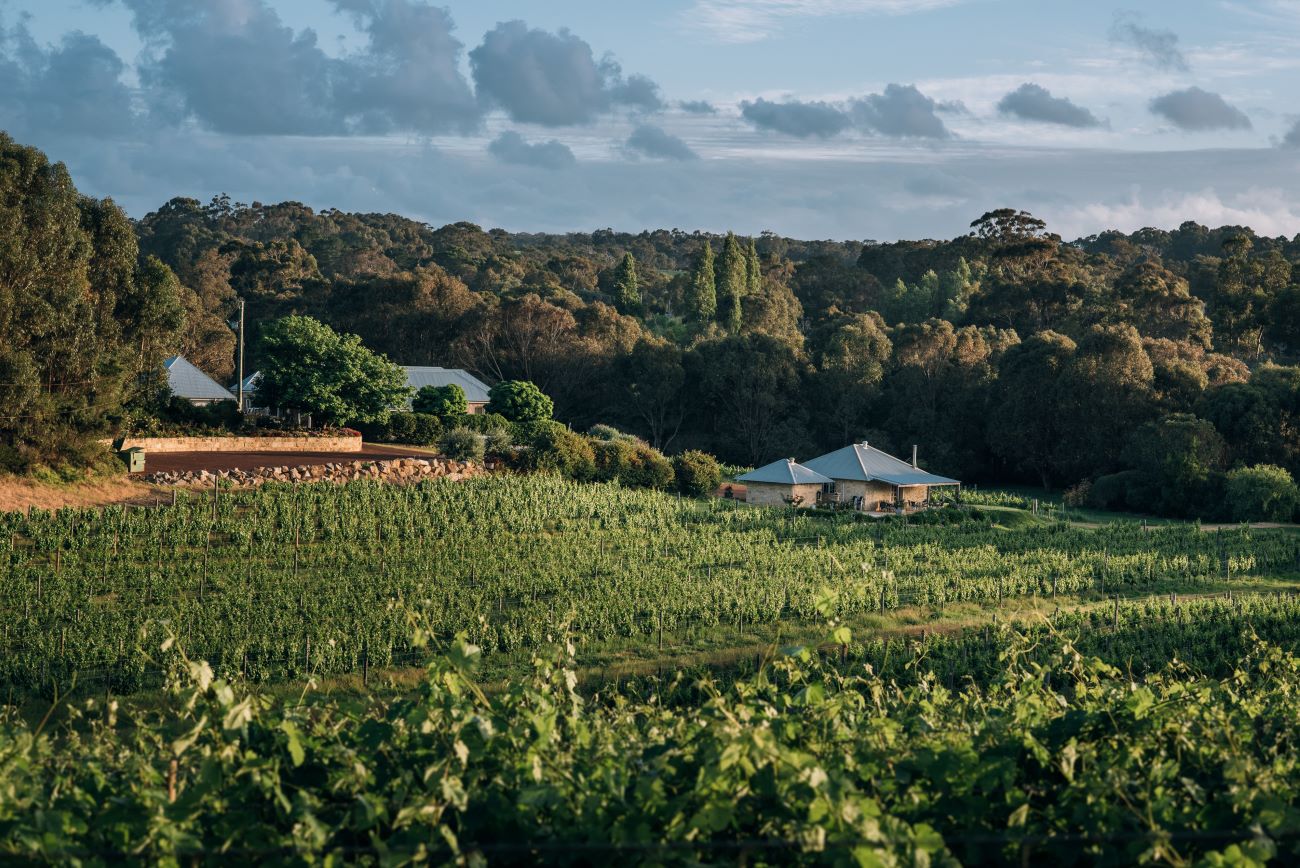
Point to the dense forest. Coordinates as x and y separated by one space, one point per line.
1150 363
1006 354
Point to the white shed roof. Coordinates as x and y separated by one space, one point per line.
250 383
188 382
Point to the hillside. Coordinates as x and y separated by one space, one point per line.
1007 354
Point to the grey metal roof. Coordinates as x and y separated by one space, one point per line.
863 463
250 383
476 391
784 472
188 382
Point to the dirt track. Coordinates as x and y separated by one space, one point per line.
168 462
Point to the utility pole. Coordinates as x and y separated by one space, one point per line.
241 356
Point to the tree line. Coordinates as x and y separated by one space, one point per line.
1008 354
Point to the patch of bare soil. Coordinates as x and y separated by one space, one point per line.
22 494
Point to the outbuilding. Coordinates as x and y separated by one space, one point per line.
188 382
476 391
864 478
783 483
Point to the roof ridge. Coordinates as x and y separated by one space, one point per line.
858 456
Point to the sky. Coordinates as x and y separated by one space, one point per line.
838 119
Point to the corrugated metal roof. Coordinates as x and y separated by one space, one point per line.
188 382
250 383
784 472
476 391
864 463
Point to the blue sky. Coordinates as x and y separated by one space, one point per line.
813 118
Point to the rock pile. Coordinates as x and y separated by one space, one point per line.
397 470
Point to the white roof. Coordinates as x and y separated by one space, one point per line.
188 382
864 463
784 472
250 382
476 391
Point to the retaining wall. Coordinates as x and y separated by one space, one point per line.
398 470
340 443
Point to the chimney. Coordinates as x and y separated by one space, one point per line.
914 455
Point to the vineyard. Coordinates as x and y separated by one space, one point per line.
291 581
1147 715
1053 758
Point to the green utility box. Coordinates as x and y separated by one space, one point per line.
134 458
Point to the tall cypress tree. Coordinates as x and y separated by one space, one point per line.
753 270
626 291
702 295
733 278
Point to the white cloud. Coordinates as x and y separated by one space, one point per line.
755 20
1267 210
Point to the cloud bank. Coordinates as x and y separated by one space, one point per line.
1291 139
795 118
651 141
72 88
510 147
228 97
901 111
1197 110
1032 102
552 79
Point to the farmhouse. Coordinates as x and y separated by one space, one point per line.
476 391
784 482
188 382
864 478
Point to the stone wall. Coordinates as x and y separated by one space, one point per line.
916 493
340 443
771 494
398 470
872 493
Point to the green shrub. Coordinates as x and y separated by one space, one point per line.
519 401
609 432
497 441
526 433
480 423
649 469
1261 493
415 429
462 444
1113 492
604 432
420 429
557 448
445 402
698 473
613 459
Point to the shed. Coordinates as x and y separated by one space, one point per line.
784 482
476 391
188 382
250 389
873 480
